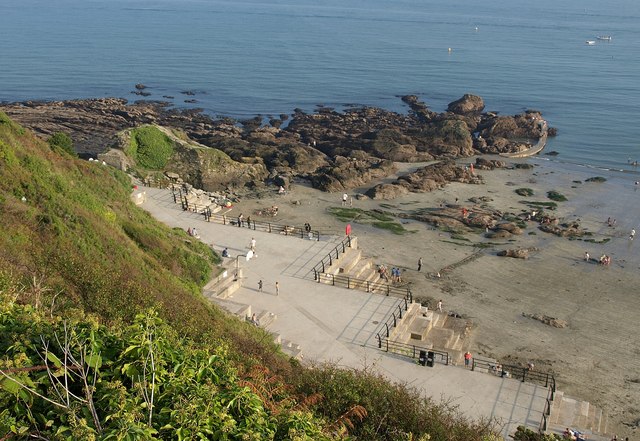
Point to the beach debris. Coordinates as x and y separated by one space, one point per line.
547 320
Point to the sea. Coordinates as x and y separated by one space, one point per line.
243 58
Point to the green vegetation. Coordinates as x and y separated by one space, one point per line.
555 196
146 383
598 179
87 274
60 141
377 218
604 240
150 147
524 191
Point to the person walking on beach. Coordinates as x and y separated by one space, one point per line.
587 256
632 234
260 285
419 264
440 305
344 199
252 245
277 288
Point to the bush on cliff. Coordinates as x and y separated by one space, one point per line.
62 141
150 147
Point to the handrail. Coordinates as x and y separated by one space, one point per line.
349 282
546 412
327 261
413 351
523 374
287 230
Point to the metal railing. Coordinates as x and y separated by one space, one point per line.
269 227
332 256
412 351
394 318
546 412
523 374
349 282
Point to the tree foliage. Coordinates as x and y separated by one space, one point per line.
81 380
61 141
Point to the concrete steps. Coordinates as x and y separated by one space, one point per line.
240 310
576 414
345 262
361 269
288 347
223 286
265 318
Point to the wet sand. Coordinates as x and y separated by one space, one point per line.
596 357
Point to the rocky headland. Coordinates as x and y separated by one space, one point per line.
334 150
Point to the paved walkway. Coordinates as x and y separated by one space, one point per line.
338 325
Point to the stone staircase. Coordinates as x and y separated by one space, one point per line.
362 272
578 415
224 285
432 330
290 348
221 288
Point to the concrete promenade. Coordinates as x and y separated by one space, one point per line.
338 325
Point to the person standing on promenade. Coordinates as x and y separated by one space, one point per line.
240 218
260 285
632 234
440 305
419 264
277 288
467 358
344 199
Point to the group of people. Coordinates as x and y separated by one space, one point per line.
193 232
261 285
573 435
604 260
396 273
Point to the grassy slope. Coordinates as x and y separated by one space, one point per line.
78 238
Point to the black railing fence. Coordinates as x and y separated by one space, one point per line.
179 197
332 256
523 374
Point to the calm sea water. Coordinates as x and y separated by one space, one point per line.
247 57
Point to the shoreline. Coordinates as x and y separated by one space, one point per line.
594 356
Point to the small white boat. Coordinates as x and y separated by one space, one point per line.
590 42
604 37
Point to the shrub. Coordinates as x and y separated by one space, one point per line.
60 141
150 147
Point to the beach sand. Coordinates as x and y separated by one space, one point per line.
596 357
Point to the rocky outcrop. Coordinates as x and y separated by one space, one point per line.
426 179
335 150
547 320
350 172
466 105
518 253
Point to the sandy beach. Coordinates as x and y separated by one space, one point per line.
595 356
